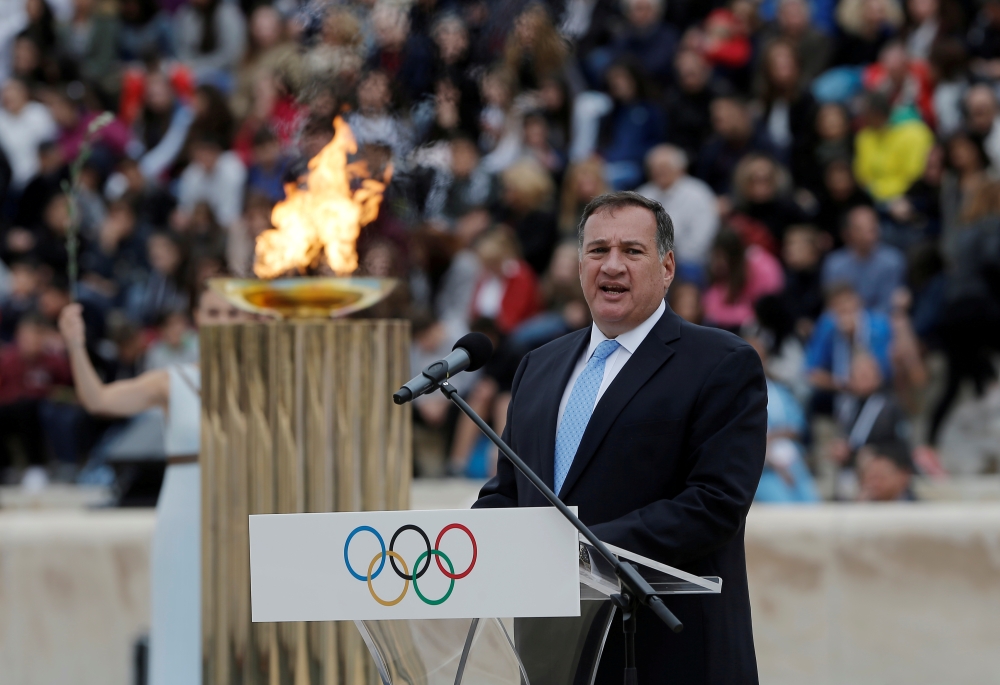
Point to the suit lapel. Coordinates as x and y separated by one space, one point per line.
561 366
651 354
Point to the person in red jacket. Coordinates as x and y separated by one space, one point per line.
904 81
508 291
29 370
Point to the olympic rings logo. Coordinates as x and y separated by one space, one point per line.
417 572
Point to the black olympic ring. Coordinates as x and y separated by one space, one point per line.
427 560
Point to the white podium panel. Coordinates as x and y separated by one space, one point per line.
371 566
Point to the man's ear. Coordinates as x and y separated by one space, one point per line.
669 268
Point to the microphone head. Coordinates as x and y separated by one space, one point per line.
478 346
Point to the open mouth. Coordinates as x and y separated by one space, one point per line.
614 289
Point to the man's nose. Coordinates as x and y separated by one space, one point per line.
613 264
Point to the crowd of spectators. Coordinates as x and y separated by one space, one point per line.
830 168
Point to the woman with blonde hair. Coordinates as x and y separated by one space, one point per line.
583 182
534 48
867 25
527 196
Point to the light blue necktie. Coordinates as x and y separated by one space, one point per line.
580 406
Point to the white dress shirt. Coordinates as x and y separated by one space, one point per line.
628 343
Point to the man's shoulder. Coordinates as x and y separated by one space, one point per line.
707 343
560 347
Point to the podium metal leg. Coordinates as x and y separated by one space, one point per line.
465 651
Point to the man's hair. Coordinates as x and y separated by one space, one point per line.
609 202
839 289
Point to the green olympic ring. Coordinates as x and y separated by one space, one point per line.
416 589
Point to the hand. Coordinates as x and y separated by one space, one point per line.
71 325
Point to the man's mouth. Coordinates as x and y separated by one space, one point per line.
614 288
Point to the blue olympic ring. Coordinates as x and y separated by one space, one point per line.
347 559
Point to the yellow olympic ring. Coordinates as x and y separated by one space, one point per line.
406 586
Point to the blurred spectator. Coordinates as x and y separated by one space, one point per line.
24 125
905 82
269 168
507 292
404 56
984 41
164 290
31 368
803 293
528 199
865 414
983 121
211 37
866 25
20 300
739 275
789 116
891 149
845 330
647 39
916 216
970 317
374 121
685 299
269 51
873 269
162 127
792 25
215 176
733 137
534 49
177 343
786 478
88 45
144 31
582 183
886 472
763 207
471 187
688 103
633 126
690 204
838 197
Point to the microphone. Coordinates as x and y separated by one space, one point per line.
468 354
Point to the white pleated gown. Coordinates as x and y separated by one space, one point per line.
175 631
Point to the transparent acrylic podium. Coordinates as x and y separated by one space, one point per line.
495 651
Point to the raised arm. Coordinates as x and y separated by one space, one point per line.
121 398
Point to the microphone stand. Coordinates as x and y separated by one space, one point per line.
635 589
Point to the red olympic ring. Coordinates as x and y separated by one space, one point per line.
475 552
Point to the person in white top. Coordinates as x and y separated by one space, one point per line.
215 176
24 125
175 631
690 203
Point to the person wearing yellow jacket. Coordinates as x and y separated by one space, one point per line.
890 152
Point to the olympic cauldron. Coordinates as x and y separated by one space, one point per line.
297 416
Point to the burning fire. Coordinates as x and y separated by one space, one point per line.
325 216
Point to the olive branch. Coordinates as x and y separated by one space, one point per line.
70 188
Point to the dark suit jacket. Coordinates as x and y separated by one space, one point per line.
667 468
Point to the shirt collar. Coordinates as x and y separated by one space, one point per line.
629 340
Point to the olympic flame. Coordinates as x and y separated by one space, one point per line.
325 216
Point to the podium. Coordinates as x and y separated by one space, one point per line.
425 625
500 651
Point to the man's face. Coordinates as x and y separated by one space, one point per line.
845 308
882 480
622 275
862 231
662 171
980 107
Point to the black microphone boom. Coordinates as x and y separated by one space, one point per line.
469 354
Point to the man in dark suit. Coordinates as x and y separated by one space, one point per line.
655 428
